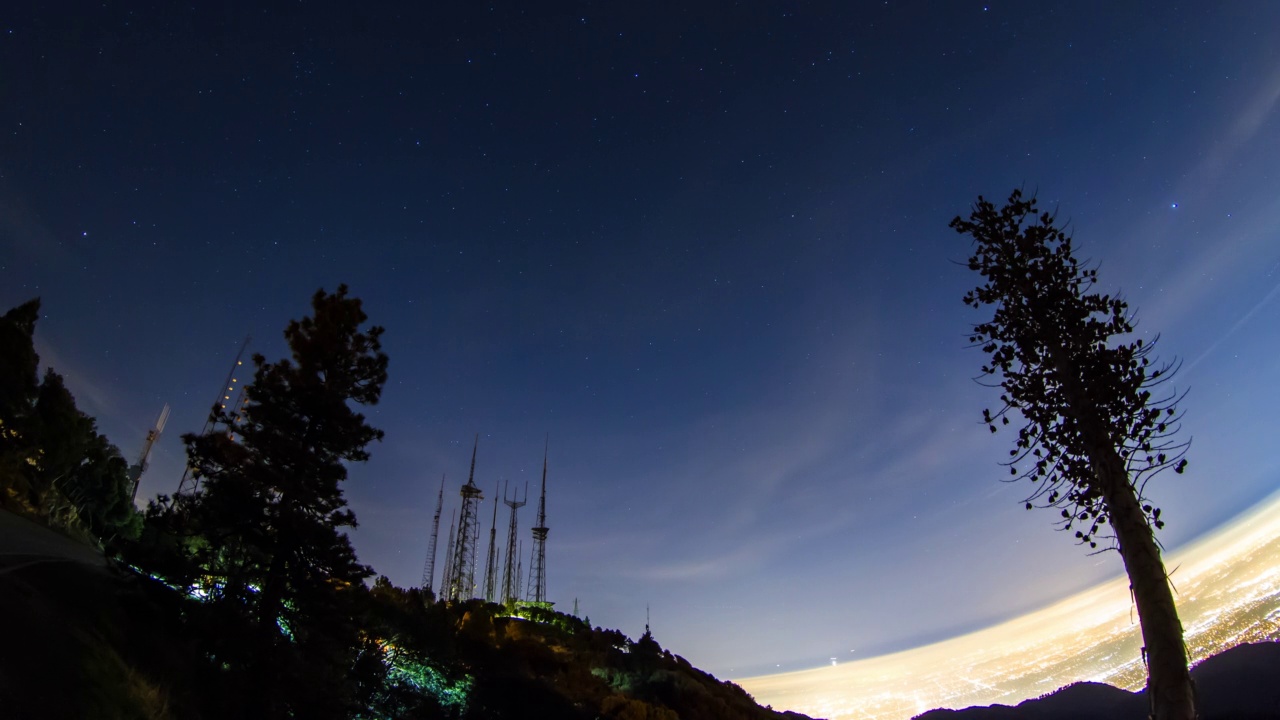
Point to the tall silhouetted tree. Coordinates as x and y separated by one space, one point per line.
1092 434
271 506
18 361
80 478
19 384
53 461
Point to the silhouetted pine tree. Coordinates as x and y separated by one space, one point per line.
53 461
80 478
1092 433
267 518
19 384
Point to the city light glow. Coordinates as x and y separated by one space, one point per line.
1228 587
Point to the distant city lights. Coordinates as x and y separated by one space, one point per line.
1228 594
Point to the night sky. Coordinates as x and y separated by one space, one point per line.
703 249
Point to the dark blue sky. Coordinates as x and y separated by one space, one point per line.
704 248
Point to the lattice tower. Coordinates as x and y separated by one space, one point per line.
190 484
510 581
135 472
446 579
476 580
491 565
463 574
538 568
429 567
520 566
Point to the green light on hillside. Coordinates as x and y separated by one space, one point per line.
427 679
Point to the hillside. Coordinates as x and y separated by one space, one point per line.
84 641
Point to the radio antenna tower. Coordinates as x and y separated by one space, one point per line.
135 472
510 581
429 568
491 565
236 411
538 569
463 573
446 578
189 483
520 566
475 547
223 398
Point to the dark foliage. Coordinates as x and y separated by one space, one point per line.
1093 433
18 361
54 464
554 666
1046 317
261 539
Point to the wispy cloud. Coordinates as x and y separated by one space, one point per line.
93 396
1244 126
1241 322
1204 268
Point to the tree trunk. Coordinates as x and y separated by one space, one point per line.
1169 688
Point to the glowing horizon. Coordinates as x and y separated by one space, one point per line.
1228 584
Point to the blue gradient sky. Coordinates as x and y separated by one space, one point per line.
704 248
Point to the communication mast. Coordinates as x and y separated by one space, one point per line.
520 566
429 568
538 569
447 574
135 472
511 581
473 588
462 574
189 483
491 565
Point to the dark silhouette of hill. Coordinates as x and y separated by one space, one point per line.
93 641
86 641
1242 683
1073 702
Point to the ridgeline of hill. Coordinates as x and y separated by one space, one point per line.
84 641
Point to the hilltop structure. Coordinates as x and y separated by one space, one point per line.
510 578
538 568
491 565
459 581
231 394
429 568
144 457
462 571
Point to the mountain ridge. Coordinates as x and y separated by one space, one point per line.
1242 683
